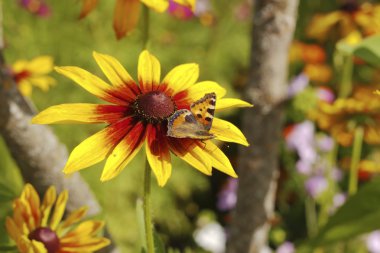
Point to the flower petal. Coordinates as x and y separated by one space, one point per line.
181 77
98 146
87 7
87 245
191 3
190 152
32 198
40 65
12 229
38 247
124 152
126 15
184 98
117 75
226 131
157 5
157 152
80 113
226 103
149 71
59 209
218 158
91 83
73 218
47 204
85 229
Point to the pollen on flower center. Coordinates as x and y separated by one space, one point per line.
154 106
48 237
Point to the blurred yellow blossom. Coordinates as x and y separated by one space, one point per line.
342 116
33 73
36 226
352 16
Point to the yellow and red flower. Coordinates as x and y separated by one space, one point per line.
33 73
127 12
37 227
138 114
341 117
364 18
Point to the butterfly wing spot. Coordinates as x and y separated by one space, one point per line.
204 110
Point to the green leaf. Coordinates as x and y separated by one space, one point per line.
369 50
158 244
359 215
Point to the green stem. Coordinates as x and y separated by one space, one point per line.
8 248
345 88
147 213
145 29
311 217
355 159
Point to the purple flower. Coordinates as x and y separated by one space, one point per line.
304 167
373 242
325 94
298 84
37 7
180 11
286 247
316 185
227 196
302 140
325 143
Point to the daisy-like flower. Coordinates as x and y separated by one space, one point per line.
138 114
341 117
351 16
36 7
37 227
127 12
33 73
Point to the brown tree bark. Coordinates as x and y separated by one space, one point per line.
273 26
37 151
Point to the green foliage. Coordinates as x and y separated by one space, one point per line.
359 215
369 50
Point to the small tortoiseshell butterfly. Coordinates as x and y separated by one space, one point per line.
195 123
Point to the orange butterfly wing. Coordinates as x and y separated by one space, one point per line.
204 109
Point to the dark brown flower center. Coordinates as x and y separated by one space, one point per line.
154 106
48 237
350 7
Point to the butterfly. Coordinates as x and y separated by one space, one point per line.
196 122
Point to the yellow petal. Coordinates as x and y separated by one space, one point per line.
43 82
181 77
19 66
38 247
97 147
219 159
149 71
157 5
31 196
25 87
85 229
124 152
80 113
126 15
192 154
90 82
47 204
12 229
73 218
190 3
227 103
86 245
40 65
226 131
157 152
112 68
59 209
321 24
198 90
87 7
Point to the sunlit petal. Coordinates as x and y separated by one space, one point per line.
226 131
149 71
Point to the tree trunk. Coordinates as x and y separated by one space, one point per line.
36 150
273 26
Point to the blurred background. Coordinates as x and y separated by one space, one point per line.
328 99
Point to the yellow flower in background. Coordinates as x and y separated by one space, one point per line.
36 226
127 12
29 74
139 114
342 117
364 18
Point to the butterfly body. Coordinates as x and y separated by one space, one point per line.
196 122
